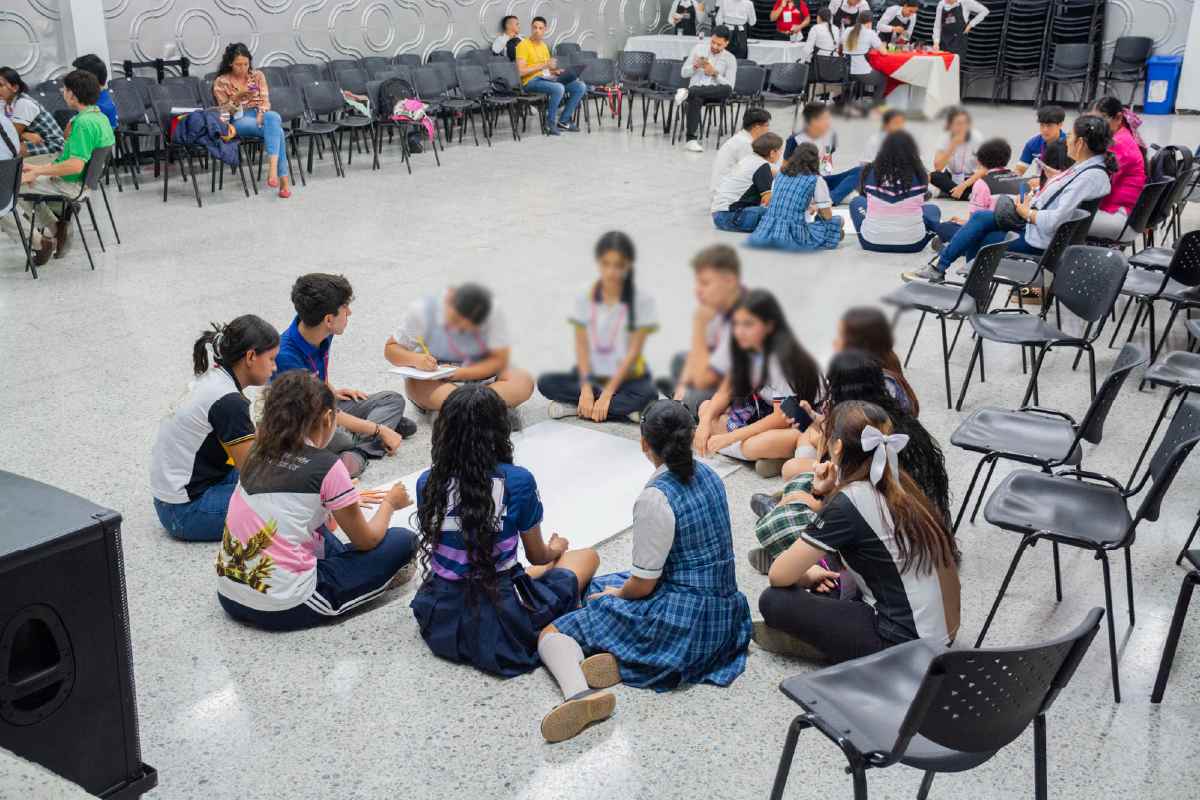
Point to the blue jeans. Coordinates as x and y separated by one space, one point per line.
346 579
930 213
744 220
554 91
842 184
271 132
980 230
202 519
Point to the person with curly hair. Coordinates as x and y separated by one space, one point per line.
477 605
280 567
242 91
890 213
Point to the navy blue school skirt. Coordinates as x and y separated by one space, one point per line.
463 624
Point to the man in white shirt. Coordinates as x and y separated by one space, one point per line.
710 70
510 36
818 131
755 122
741 198
738 16
953 20
897 23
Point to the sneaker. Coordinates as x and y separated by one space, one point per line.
768 467
554 132
776 641
562 410
568 720
43 251
963 270
636 418
693 146
406 427
762 504
601 670
514 420
665 386
760 559
680 96
568 127
927 274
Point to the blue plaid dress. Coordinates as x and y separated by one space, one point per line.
695 627
784 226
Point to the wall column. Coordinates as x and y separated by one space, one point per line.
83 29
1189 86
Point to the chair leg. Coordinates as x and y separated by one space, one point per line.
1162 414
108 208
1057 573
926 782
946 361
962 509
1117 328
1129 582
26 242
1181 608
916 335
1156 348
785 758
87 201
82 238
1040 788
1112 627
859 772
1186 545
975 354
1012 568
1032 389
983 490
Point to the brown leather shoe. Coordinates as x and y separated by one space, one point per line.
62 236
42 253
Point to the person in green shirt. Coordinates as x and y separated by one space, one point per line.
88 130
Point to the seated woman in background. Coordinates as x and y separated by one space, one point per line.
677 617
858 40
205 441
477 605
279 566
243 92
762 365
866 328
877 524
1130 177
955 162
891 214
993 156
786 224
41 137
612 319
462 328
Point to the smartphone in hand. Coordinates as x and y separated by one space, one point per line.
792 409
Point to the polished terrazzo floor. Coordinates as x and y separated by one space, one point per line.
361 709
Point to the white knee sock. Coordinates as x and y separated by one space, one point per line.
562 656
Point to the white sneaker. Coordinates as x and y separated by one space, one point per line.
680 96
559 410
693 146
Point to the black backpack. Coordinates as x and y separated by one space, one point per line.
392 91
1171 161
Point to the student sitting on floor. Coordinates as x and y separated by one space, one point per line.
477 605
1050 130
743 193
818 131
755 122
879 525
718 289
369 426
677 616
464 329
891 214
955 167
204 442
611 319
993 156
279 566
799 188
761 365
866 328
890 121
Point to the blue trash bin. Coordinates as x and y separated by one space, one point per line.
1162 83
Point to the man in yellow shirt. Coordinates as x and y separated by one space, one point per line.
540 73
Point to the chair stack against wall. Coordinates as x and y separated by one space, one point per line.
1023 44
1075 46
982 57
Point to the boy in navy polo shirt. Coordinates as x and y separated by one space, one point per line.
1050 121
369 426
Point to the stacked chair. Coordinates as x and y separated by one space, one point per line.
1022 44
981 60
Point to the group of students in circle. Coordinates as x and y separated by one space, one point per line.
857 547
782 192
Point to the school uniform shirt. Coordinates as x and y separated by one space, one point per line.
982 198
736 148
518 509
820 199
826 145
191 451
608 331
868 40
1036 148
296 353
962 161
24 110
894 16
894 215
275 531
717 329
857 525
737 14
844 13
745 185
653 530
425 321
822 41
107 107
789 18
724 62
89 131
771 384
973 14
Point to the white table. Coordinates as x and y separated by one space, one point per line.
926 84
758 50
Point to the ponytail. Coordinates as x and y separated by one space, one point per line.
863 18
620 243
1097 138
294 404
668 427
231 342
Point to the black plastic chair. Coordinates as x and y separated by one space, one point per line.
503 75
1021 270
830 71
172 150
934 709
633 72
301 74
474 86
407 59
185 89
93 171
600 75
322 98
1086 281
1139 216
1040 437
563 48
10 188
1179 284
1090 511
659 92
1070 64
369 62
383 120
748 85
1190 581
379 72
949 302
288 102
788 83
336 65
1128 65
276 76
133 125
351 79
440 55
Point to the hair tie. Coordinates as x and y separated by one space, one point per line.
216 344
887 448
1133 122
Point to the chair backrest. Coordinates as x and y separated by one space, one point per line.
322 97
300 74
1185 261
440 55
131 108
351 79
589 53
377 72
746 62
789 78
287 102
428 84
407 59
1064 235
10 180
505 71
978 285
94 170
1072 58
1147 202
562 48
366 62
635 64
183 90
52 85
446 72
276 76
749 81
830 69
210 76
141 84
1131 51
660 72
978 701
1087 280
473 81
1091 427
600 72
206 93
1182 435
333 66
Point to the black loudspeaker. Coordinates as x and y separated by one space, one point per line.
66 668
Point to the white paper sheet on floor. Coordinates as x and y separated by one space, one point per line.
588 480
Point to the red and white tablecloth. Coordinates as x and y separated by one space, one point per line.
921 83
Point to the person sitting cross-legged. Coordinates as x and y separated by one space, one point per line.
742 195
540 73
710 69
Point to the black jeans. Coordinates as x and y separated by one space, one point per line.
633 396
841 629
873 83
694 397
944 181
697 95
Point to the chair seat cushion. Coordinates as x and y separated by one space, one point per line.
1028 501
354 122
932 297
849 701
458 104
1177 368
1037 436
1016 329
319 128
1143 282
1017 271
1157 258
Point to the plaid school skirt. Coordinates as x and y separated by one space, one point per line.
782 525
